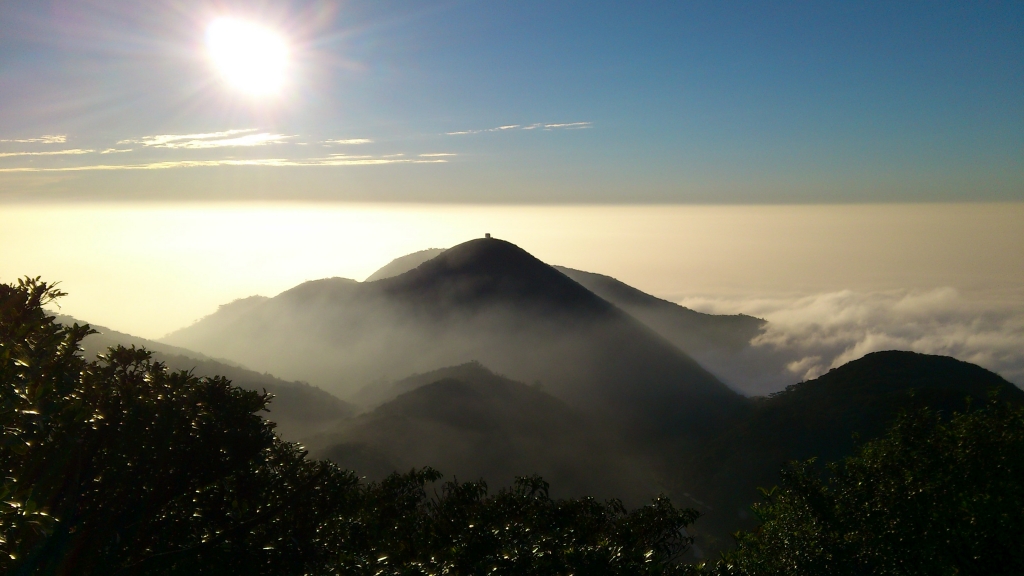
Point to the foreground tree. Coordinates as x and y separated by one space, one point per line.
118 466
933 497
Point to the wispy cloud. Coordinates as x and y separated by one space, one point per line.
260 139
225 139
367 161
348 141
115 151
536 126
50 139
334 160
567 126
436 155
154 165
163 139
73 151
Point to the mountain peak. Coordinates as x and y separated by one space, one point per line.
487 253
488 269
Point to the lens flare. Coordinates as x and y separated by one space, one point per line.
249 57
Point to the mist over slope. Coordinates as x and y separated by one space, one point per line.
297 408
472 423
485 300
403 264
809 334
377 393
714 340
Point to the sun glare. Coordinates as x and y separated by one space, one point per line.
250 57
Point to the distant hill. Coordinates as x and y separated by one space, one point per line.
820 418
298 409
484 300
377 393
403 264
471 423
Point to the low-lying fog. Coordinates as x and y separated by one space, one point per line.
808 335
835 281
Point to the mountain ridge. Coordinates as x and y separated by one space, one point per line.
485 300
298 408
712 340
472 423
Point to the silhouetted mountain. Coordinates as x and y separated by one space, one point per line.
714 340
481 425
820 418
403 264
484 300
298 409
711 339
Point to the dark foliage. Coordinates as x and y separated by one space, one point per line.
119 466
932 497
462 529
826 418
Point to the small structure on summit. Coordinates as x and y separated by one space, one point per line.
487 235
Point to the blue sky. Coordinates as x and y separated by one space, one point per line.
622 102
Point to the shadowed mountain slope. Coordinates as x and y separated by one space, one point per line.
485 425
711 339
373 395
403 264
485 300
297 408
820 418
694 332
688 329
714 340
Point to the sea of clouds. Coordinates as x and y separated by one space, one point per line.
808 335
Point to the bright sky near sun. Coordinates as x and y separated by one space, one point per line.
250 57
512 102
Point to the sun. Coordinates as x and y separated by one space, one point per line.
250 57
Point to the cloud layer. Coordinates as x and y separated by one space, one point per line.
809 335
538 125
333 160
49 139
348 141
225 139
245 137
71 152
